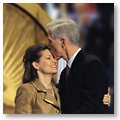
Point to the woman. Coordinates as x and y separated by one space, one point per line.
38 94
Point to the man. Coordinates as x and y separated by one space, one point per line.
83 82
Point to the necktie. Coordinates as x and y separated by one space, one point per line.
67 71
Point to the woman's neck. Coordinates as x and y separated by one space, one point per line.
45 80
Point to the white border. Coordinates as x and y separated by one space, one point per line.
117 66
61 1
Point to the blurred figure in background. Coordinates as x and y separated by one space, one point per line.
89 21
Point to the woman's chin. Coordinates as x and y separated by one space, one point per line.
54 72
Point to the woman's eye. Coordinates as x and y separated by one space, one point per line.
48 58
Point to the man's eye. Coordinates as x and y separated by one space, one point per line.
48 58
50 42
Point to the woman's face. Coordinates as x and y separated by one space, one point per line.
47 64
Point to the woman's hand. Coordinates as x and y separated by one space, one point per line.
107 98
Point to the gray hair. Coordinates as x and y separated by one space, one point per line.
64 26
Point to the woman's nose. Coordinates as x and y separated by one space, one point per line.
54 60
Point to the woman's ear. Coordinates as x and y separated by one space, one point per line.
35 65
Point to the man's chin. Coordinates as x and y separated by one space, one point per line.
57 57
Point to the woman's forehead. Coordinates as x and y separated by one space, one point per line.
46 53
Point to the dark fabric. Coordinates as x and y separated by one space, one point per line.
83 91
67 71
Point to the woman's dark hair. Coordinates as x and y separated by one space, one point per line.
32 53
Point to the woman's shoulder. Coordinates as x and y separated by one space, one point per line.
26 88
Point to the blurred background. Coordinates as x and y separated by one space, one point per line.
25 23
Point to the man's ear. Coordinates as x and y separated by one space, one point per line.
35 65
63 41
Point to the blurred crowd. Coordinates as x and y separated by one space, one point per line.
96 23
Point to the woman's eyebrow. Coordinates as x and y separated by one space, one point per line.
47 56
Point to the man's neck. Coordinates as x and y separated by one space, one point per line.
72 51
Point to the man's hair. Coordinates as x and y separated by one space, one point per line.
64 26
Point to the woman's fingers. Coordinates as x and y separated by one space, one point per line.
107 99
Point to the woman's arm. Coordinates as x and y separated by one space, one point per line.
23 101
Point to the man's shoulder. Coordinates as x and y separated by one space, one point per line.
91 58
87 58
92 61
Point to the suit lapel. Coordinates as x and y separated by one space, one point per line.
57 95
47 97
76 64
54 100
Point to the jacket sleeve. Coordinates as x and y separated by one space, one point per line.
23 101
95 86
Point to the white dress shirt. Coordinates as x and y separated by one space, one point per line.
70 61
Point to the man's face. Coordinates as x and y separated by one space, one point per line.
56 47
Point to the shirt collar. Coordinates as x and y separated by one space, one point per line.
70 61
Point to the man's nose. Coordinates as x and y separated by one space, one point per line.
49 45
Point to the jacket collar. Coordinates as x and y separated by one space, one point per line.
39 86
47 96
70 61
76 63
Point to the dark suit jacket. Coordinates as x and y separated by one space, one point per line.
83 91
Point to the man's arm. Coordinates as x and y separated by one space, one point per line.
95 86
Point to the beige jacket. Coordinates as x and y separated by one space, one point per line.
33 98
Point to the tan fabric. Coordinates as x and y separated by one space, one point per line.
34 98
